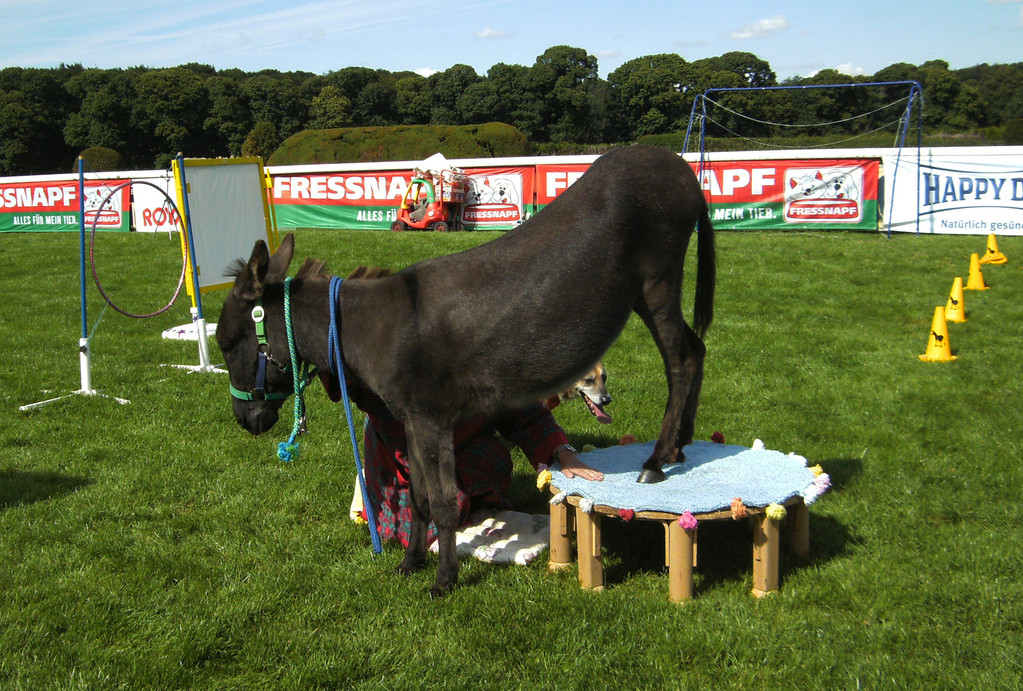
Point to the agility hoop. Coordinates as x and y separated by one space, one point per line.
92 252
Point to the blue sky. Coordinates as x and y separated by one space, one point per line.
796 38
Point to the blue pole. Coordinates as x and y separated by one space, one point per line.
81 241
191 244
689 127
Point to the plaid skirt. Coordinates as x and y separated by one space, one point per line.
483 465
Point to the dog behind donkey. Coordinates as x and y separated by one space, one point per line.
505 324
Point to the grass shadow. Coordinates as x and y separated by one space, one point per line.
724 550
842 471
18 488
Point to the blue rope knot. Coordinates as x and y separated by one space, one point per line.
287 451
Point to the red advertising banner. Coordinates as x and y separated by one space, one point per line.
779 194
496 198
339 200
553 179
54 206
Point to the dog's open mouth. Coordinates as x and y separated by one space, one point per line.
597 411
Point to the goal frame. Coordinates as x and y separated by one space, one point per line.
915 101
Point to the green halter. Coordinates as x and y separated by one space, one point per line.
258 392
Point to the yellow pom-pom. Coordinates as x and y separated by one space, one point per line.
543 479
816 470
358 519
776 512
589 447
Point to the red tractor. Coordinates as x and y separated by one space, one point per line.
432 202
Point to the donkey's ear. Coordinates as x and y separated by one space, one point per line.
281 259
249 283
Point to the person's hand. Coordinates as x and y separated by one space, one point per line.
571 466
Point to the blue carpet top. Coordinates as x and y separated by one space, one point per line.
712 475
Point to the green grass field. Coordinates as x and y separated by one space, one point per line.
157 545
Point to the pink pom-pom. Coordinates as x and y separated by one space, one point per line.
823 482
626 514
627 439
687 521
717 438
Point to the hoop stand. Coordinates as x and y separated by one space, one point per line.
84 353
204 347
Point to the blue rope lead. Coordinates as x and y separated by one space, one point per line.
337 367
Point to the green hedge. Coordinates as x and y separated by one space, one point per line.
1014 131
100 159
401 143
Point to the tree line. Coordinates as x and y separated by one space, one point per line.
146 115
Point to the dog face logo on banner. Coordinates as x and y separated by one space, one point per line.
102 207
818 195
494 199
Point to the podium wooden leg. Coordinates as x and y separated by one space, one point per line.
591 566
680 562
561 537
798 530
766 548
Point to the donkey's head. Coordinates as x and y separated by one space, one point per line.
251 333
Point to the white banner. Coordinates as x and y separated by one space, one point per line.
967 191
150 210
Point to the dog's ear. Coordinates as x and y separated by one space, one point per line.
252 276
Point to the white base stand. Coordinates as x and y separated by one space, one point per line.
204 365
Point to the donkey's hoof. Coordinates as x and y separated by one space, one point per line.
649 476
438 591
407 568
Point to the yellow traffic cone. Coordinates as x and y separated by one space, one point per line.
992 255
976 280
938 349
955 308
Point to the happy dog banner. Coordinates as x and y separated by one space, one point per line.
963 191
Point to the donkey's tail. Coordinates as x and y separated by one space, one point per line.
706 274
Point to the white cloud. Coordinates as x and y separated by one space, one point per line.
849 68
761 28
490 33
425 71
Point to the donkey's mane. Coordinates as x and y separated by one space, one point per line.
236 268
316 268
369 272
313 269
